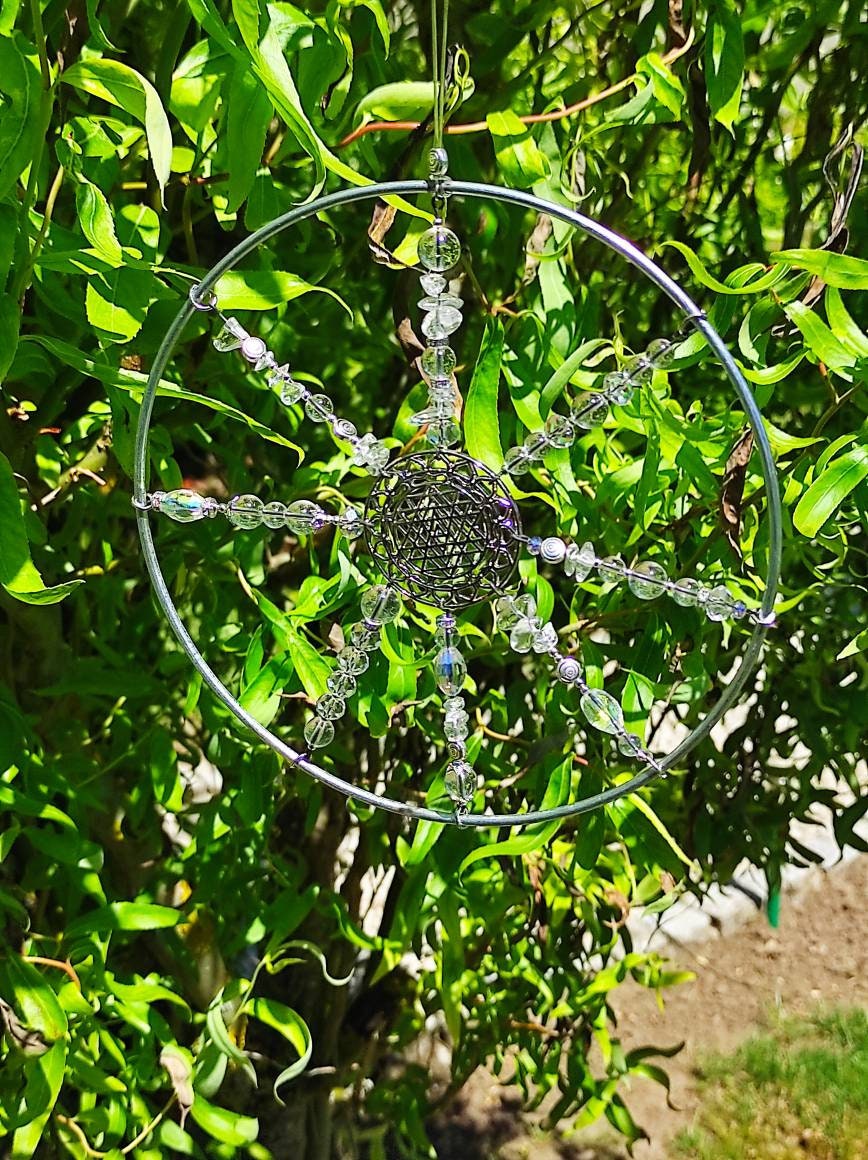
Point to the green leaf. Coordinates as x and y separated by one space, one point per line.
96 221
518 156
399 101
829 490
265 289
20 100
665 85
735 286
247 120
227 1127
45 1075
27 990
820 338
724 61
843 326
220 1036
481 423
124 916
10 328
292 1027
835 269
117 303
122 86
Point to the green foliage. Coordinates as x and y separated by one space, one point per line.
195 934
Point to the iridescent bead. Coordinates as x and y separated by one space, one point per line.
535 445
253 348
618 388
318 732
438 361
685 592
441 322
647 580
353 660
330 707
350 523
578 562
460 782
439 249
319 408
230 336
661 352
719 603
342 684
364 638
523 635
380 605
443 433
602 711
553 550
630 744
546 639
183 505
534 543
274 514
304 516
639 368
511 609
589 411
559 431
516 461
441 301
568 670
450 669
433 283
291 392
245 511
611 568
343 429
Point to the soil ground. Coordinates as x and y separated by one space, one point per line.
817 956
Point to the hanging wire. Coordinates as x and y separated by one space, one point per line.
439 52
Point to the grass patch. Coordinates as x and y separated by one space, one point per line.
801 1090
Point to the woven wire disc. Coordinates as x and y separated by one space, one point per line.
442 528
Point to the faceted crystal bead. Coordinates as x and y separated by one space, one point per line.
433 283
739 610
342 684
362 449
453 704
589 411
380 605
523 635
439 249
351 523
343 429
517 461
578 561
330 707
319 732
441 390
553 550
304 516
353 660
618 388
460 782
647 580
456 727
440 301
319 408
441 322
559 431
611 568
291 392
685 592
719 603
426 418
661 352
602 711
534 543
253 348
274 514
364 638
546 639
639 368
444 433
438 361
450 669
277 375
630 744
511 609
245 511
183 505
569 670
230 336
535 445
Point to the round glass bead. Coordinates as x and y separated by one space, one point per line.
639 368
647 580
343 429
534 543
253 348
438 361
618 387
439 249
546 639
304 516
517 461
183 505
661 352
719 603
559 431
441 322
553 550
569 670
330 707
353 660
443 433
535 445
341 684
433 283
245 511
630 744
319 408
579 561
450 669
440 302
291 392
739 610
523 635
511 609
274 514
685 592
364 638
460 782
589 411
351 523
611 568
602 711
380 605
319 732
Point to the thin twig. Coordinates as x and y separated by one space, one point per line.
66 967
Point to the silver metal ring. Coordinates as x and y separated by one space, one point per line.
660 279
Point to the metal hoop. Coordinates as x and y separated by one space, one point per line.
693 315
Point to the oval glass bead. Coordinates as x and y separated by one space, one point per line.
602 711
639 368
686 592
611 568
450 669
183 505
303 516
442 322
274 514
511 609
330 707
719 604
647 580
439 249
460 781
351 524
618 387
342 684
245 511
589 411
536 445
380 605
319 732
319 408
559 431
353 660
438 361
630 744
517 461
661 352
579 561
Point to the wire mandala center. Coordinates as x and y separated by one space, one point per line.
443 529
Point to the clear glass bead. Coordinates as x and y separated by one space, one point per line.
330 707
546 639
343 429
579 561
353 660
319 408
441 322
318 732
440 302
611 568
426 418
559 431
457 728
639 368
602 711
618 388
647 580
291 392
375 458
342 684
433 283
438 361
274 514
183 505
661 352
441 390
380 605
535 445
509 610
568 670
719 603
523 635
230 336
450 669
739 610
589 411
460 782
630 744
685 592
517 461
351 523
553 550
439 249
453 704
303 516
362 449
277 375
443 433
364 638
245 511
